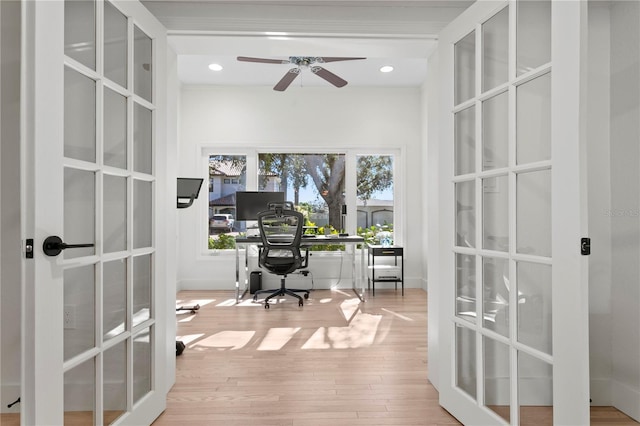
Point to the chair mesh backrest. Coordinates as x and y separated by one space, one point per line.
281 232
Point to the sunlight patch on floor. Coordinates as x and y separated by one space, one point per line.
403 317
227 340
188 338
349 307
276 338
360 333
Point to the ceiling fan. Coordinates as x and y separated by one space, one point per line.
301 62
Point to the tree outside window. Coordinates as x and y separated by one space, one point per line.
315 183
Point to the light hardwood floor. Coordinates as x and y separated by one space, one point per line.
332 362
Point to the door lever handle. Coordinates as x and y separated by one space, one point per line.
53 245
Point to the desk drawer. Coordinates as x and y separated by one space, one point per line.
386 251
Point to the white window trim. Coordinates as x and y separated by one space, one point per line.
351 153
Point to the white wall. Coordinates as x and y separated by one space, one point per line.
625 206
10 277
302 117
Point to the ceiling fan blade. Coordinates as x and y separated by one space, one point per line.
287 79
336 58
329 76
263 60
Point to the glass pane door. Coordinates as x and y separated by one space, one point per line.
108 201
501 172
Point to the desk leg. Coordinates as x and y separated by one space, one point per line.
239 296
360 274
237 274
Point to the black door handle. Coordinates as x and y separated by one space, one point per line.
53 245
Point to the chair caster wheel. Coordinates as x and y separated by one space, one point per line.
306 295
300 303
266 306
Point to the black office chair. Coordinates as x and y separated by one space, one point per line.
281 233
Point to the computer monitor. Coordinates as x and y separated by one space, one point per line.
250 203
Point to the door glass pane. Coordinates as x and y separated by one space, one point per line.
466 287
534 305
80 31
495 132
114 297
497 378
79 310
79 116
495 287
115 382
533 35
533 133
142 364
466 360
142 60
535 390
465 214
533 213
495 50
495 211
142 140
142 213
115 45
80 394
79 212
465 141
141 289
115 214
115 129
465 68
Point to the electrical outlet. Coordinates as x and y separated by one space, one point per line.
69 316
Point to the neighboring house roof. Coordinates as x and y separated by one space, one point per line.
224 168
227 200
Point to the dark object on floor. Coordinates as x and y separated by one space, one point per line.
179 347
255 282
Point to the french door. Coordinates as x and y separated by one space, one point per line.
514 303
94 315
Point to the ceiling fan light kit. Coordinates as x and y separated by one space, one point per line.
301 62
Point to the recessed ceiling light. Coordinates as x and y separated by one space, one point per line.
215 67
386 68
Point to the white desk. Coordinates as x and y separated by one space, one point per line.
358 275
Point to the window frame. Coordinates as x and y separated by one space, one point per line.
351 154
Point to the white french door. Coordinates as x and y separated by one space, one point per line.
514 301
94 316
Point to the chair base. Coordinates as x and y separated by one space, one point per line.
282 291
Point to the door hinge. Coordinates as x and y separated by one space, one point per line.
585 246
28 248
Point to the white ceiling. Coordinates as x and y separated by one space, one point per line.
397 33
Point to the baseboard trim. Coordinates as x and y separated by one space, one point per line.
626 399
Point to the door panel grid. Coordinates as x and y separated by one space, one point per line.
112 371
502 179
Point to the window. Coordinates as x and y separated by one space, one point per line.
221 220
375 192
315 182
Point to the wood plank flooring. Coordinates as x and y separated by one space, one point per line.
333 362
